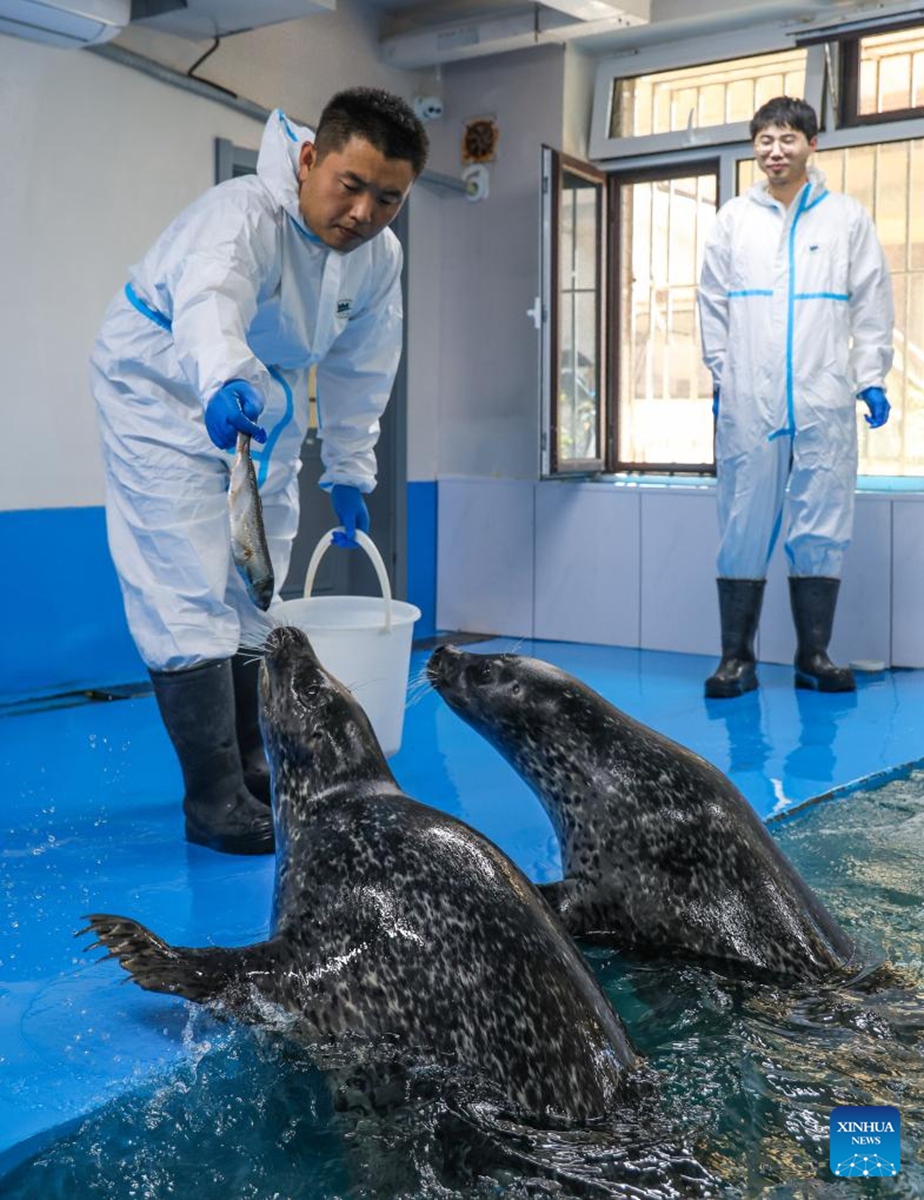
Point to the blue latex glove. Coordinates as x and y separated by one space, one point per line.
232 410
352 514
715 402
878 406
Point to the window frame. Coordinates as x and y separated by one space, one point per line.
555 163
677 169
848 75
697 52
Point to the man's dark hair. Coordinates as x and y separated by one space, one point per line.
785 112
383 119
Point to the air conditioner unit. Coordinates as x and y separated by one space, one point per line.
65 23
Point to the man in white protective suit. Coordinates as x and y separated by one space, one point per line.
795 306
256 281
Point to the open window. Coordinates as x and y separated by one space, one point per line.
624 387
575 311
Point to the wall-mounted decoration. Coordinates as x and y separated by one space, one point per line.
479 141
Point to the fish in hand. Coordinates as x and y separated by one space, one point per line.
248 537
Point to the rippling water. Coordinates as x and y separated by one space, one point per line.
739 1087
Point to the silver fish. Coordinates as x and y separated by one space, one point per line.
248 537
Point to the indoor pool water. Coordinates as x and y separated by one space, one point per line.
736 1098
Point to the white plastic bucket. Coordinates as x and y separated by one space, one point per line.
364 641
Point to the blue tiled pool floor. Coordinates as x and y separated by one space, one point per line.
92 822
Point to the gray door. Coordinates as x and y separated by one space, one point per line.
349 572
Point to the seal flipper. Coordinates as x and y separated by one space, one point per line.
201 974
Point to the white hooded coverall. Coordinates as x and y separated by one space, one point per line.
237 287
796 314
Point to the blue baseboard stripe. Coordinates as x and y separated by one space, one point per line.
64 624
421 553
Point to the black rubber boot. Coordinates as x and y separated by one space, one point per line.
814 599
197 707
739 612
245 670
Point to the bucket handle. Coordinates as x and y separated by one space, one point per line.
369 546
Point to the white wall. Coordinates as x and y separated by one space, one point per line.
487 267
97 158
423 322
578 101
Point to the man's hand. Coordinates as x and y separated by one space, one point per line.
352 514
233 410
878 406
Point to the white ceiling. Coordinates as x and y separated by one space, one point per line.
418 34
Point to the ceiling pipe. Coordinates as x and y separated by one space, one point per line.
419 49
498 34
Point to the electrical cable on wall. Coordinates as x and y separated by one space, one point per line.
201 59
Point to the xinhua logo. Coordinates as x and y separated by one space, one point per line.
865 1141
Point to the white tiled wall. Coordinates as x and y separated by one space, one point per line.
587 553
677 577
631 567
485 576
908 583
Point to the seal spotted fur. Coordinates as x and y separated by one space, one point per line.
660 851
393 922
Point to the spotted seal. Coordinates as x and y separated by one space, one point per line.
394 922
660 851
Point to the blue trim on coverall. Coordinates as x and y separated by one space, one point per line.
286 126
790 336
804 206
262 455
145 309
306 233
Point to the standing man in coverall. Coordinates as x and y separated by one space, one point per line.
256 281
795 306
